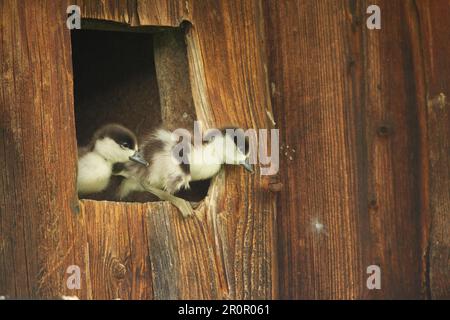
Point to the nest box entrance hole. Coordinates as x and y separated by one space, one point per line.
134 76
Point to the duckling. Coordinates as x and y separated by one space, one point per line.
111 146
166 175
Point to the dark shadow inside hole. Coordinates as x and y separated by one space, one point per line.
197 192
116 81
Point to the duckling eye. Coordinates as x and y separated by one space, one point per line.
125 145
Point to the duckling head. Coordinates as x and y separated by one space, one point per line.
117 144
230 146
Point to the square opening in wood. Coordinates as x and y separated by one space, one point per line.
136 77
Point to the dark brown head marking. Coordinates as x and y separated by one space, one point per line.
238 134
121 135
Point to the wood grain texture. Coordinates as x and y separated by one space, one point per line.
319 241
163 12
117 242
172 71
37 237
436 50
349 101
137 12
182 255
396 178
121 11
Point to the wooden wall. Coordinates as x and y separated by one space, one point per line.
434 28
371 165
368 183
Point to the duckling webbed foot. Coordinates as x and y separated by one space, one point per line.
181 204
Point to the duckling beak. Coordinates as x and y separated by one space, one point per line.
138 158
247 166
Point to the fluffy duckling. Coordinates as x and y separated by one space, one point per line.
166 175
111 145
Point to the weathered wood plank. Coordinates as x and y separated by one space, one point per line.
137 12
163 12
38 151
119 265
182 255
172 71
436 49
227 45
394 112
121 11
348 100
319 241
439 254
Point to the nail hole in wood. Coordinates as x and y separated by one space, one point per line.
384 130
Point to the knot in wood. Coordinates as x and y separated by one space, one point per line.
384 130
273 184
276 187
118 269
373 204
